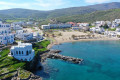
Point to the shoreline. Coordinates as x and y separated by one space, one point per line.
81 40
68 37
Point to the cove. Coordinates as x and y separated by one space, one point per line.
101 62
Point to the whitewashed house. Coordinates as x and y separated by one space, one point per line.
16 27
114 25
36 23
99 23
21 23
5 34
115 33
37 36
117 21
117 30
29 23
20 34
83 24
110 33
109 23
23 51
97 29
19 31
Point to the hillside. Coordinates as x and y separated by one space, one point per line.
84 9
91 17
106 6
27 13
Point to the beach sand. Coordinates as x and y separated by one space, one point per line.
67 37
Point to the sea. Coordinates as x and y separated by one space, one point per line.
101 62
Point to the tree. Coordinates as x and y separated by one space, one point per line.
60 34
105 26
119 25
90 24
73 36
53 35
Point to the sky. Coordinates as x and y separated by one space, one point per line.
49 4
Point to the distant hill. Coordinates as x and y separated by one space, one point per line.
91 17
23 13
26 13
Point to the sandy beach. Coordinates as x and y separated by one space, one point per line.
67 37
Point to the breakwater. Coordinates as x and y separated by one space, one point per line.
53 54
66 58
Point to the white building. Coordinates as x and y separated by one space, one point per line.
23 51
99 23
109 23
16 27
23 36
5 34
110 33
56 26
83 24
21 23
114 25
117 30
29 23
5 39
19 31
36 23
37 36
45 27
117 21
97 29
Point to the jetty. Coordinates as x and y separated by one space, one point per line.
66 58
54 54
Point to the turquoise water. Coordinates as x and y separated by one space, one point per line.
101 62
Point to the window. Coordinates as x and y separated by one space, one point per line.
22 52
16 52
11 53
19 52
27 53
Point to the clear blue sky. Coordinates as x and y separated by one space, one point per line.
48 4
